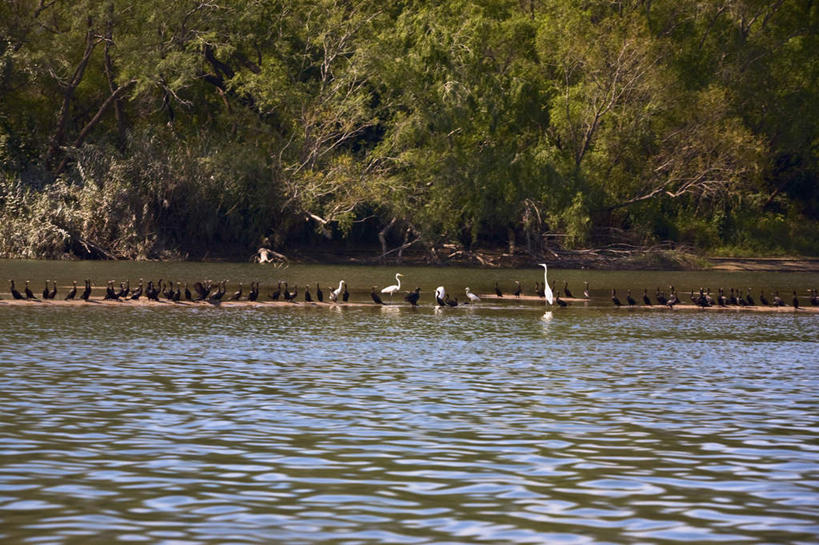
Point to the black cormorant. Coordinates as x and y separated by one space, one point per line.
72 292
376 298
413 296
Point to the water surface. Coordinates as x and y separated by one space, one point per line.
491 424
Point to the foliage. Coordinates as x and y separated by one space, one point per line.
162 129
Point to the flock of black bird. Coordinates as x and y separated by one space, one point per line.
215 292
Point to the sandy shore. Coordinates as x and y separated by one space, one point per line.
530 301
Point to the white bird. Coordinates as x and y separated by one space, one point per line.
336 292
472 297
440 293
547 291
390 290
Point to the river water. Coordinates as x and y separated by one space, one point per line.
497 423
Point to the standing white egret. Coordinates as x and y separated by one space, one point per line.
336 292
472 297
440 293
547 291
390 290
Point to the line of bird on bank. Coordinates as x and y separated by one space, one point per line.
210 292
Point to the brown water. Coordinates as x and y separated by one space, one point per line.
496 423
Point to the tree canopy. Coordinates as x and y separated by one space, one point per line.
156 129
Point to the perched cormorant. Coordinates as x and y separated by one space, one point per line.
14 293
778 302
795 300
237 294
629 299
29 293
646 300
53 293
518 289
345 295
721 299
614 298
672 298
814 300
540 292
376 298
45 290
449 301
662 299
124 289
110 294
276 294
86 293
307 297
413 296
566 291
291 295
253 294
560 302
319 293
137 292
763 299
72 292
498 292
732 299
188 296
749 299
703 300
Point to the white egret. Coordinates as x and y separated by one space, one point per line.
390 290
472 297
440 293
547 291
336 292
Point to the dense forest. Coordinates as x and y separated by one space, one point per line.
160 129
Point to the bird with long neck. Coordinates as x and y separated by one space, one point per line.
375 297
391 290
413 296
547 291
14 292
474 298
334 294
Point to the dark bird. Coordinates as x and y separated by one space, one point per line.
168 291
732 299
750 299
778 302
221 288
672 298
498 292
188 295
376 298
629 299
290 295
646 300
814 300
413 296
253 294
586 292
124 289
763 299
29 293
614 298
440 294
518 289
662 299
319 293
137 292
45 290
86 293
721 299
566 291
702 300
276 294
237 294
795 300
560 302
151 292
14 293
345 296
53 293
539 291
177 294
72 292
110 294
450 302
307 297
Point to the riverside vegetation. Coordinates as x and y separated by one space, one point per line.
165 129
